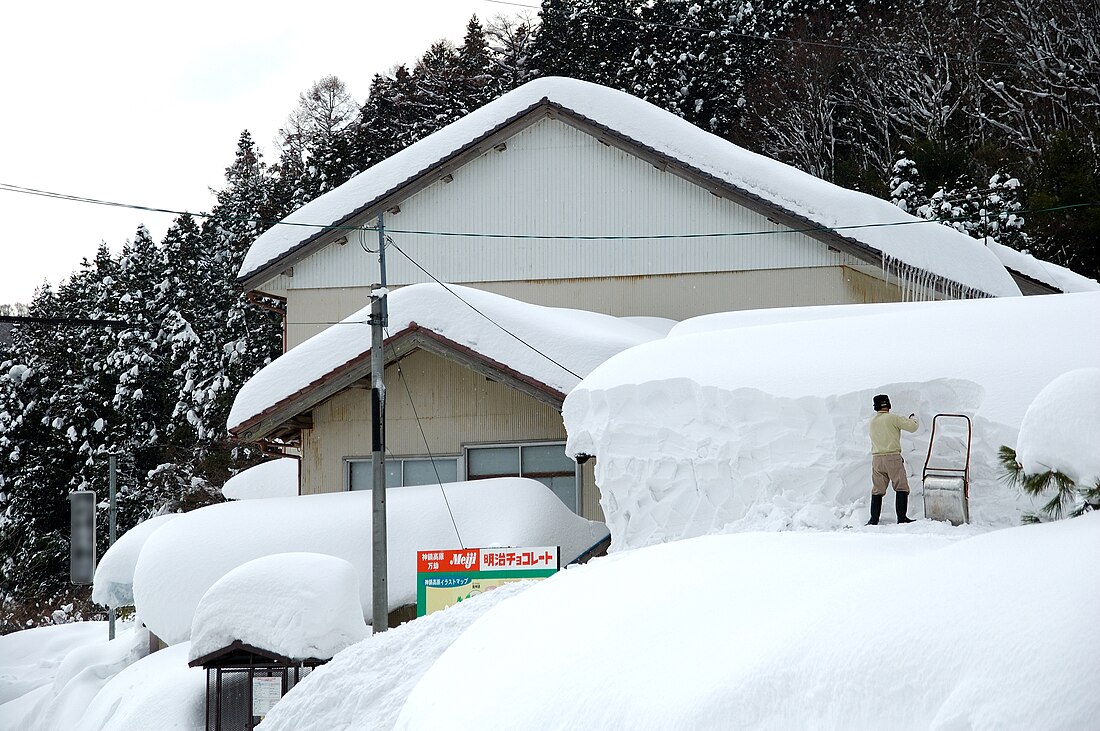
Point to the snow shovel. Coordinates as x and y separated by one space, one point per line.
947 489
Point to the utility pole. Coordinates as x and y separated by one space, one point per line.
112 469
379 316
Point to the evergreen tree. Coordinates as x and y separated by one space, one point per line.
591 40
906 186
474 66
387 121
235 338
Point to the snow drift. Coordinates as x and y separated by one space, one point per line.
182 560
366 685
733 413
790 630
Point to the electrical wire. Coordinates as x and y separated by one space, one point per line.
427 448
503 329
521 236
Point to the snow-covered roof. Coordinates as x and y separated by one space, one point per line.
824 351
274 478
923 245
297 605
549 345
758 415
183 559
1046 272
112 585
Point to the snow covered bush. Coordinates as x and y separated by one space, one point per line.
1057 448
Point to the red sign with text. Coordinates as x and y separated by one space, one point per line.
486 559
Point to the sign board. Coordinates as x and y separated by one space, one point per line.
447 577
82 536
266 692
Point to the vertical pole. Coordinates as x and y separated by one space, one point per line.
378 318
112 469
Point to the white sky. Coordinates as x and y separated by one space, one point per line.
125 101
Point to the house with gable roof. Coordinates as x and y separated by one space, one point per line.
560 193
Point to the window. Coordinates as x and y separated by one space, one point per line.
545 462
403 471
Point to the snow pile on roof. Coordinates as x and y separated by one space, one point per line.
712 429
553 345
113 583
158 691
1064 279
928 246
298 605
366 685
181 561
274 478
791 630
1061 429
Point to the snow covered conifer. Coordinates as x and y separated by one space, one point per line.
906 186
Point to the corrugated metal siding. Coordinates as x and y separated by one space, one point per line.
309 311
556 180
456 407
675 296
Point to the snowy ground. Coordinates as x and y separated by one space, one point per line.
901 627
784 612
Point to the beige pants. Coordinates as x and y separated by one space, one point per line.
887 468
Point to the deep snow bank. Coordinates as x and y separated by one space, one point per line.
83 672
366 685
183 559
30 659
791 630
156 693
732 411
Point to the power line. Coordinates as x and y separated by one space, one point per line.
427 448
63 321
521 236
392 243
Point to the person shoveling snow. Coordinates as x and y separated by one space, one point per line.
887 465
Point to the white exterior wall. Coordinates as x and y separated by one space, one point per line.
454 407
675 296
554 179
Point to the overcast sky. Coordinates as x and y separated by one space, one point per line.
142 103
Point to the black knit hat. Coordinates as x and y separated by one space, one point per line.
882 401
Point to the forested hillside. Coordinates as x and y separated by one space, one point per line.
985 114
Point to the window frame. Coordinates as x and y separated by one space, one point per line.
577 472
458 459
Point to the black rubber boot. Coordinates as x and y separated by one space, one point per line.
902 506
876 509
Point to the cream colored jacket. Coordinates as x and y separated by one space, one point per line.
886 432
